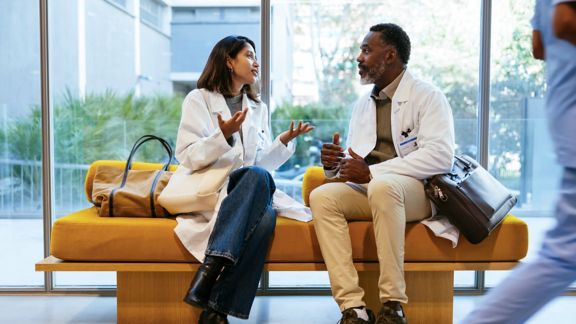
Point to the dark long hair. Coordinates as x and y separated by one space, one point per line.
216 76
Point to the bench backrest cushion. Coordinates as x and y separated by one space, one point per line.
314 177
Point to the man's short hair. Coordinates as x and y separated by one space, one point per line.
394 35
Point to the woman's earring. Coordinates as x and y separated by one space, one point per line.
231 71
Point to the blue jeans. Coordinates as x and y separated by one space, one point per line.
242 234
532 285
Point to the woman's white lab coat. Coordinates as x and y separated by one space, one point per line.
200 142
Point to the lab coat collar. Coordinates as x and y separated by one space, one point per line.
218 103
402 93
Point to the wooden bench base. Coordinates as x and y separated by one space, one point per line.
156 297
153 292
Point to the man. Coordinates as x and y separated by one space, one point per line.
399 134
533 285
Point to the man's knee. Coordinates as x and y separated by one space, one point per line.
316 196
321 197
384 188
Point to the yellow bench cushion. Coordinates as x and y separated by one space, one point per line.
83 236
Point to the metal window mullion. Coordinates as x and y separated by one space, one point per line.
265 88
484 101
264 283
47 178
265 24
484 86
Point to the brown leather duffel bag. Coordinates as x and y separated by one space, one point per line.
131 193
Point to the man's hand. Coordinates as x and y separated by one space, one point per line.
233 124
292 132
332 153
355 169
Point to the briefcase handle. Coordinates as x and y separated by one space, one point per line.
468 162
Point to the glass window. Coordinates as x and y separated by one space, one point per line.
21 236
195 30
153 12
464 279
519 144
299 279
314 76
113 79
121 3
110 84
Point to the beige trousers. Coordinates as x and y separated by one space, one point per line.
390 202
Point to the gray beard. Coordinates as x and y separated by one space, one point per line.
373 74
364 81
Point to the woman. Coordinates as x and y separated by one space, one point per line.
224 120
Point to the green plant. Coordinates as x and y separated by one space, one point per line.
100 126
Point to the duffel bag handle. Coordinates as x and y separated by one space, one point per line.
137 145
128 166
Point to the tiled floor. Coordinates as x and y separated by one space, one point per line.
277 310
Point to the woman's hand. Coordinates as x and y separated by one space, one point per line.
292 132
233 124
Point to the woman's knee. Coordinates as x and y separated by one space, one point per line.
257 171
268 221
252 178
258 174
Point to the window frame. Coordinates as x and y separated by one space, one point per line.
479 286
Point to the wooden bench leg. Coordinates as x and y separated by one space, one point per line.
430 295
154 297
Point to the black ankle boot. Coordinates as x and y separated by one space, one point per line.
210 316
204 280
